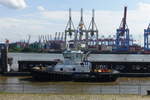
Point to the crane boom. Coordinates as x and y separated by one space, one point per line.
124 18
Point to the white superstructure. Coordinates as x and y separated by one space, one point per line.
74 61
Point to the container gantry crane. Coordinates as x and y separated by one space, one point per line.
82 36
81 27
146 38
93 30
122 35
70 30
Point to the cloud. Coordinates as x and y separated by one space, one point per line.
15 4
41 8
143 6
17 29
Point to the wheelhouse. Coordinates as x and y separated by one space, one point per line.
76 56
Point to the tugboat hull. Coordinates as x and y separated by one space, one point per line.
51 76
68 76
95 77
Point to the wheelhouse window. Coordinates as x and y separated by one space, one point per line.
73 55
77 56
67 55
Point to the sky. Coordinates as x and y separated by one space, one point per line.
20 18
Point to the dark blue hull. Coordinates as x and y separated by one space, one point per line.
80 76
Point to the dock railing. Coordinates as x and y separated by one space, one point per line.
75 88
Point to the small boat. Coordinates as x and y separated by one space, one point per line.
74 67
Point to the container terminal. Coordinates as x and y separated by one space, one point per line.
86 39
121 46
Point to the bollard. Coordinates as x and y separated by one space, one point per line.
4 59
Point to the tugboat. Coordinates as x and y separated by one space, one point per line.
74 67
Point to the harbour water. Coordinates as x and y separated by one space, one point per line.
138 86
